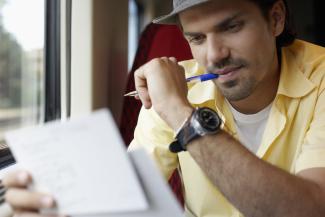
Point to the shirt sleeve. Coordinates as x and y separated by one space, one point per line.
313 151
154 135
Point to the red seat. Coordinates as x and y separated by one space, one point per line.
156 41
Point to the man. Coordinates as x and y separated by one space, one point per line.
262 153
269 99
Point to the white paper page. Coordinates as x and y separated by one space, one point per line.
160 197
9 169
83 163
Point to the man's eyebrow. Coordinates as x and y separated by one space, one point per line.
222 25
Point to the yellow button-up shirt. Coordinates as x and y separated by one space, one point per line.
294 137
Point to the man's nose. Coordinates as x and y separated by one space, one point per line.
217 51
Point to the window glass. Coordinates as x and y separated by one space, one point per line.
21 63
133 31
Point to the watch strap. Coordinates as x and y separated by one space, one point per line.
201 122
175 147
183 137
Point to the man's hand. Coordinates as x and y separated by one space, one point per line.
25 203
161 84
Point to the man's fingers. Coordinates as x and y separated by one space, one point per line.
137 97
173 59
142 88
17 179
23 199
145 98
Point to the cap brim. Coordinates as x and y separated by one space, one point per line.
171 18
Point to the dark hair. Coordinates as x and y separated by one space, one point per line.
289 34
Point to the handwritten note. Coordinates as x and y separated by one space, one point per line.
82 162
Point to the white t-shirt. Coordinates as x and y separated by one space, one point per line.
250 128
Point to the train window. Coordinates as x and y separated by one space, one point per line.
21 63
29 62
134 29
29 66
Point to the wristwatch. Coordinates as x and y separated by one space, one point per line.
203 121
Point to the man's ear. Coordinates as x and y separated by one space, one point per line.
277 17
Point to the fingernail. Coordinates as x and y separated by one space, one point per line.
22 178
47 201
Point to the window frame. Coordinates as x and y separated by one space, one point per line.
52 60
52 49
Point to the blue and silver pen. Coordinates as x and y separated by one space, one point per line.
194 79
201 78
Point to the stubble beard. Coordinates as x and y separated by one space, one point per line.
237 89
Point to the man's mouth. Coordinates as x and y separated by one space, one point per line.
227 73
224 71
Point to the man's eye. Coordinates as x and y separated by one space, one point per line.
235 27
196 39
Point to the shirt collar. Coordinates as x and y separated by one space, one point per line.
293 81
202 92
199 92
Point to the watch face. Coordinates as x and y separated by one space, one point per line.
209 119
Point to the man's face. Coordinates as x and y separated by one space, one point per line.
233 39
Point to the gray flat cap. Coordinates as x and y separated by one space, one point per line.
178 6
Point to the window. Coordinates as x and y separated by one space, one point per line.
29 66
133 31
21 63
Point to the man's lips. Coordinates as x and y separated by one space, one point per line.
227 70
227 74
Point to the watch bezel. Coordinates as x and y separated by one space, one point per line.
192 128
199 124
